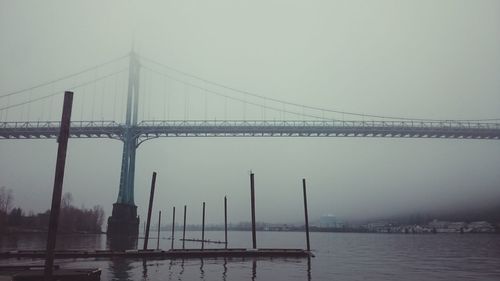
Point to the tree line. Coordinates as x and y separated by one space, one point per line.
71 219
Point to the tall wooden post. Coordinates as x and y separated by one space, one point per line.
252 198
225 221
159 228
305 214
58 183
203 228
150 208
173 229
184 228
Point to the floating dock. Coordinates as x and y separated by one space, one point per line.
36 272
168 254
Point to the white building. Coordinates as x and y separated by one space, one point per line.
329 221
481 226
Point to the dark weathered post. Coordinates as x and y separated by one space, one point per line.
173 229
184 228
159 228
305 214
203 228
58 183
150 208
252 195
225 221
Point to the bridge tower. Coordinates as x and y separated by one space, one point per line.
124 220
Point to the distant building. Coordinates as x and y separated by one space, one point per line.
378 226
447 227
329 221
480 226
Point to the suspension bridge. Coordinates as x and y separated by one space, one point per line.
175 103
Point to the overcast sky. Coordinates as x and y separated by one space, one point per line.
419 59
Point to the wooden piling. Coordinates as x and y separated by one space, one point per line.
252 198
58 183
225 221
173 228
203 228
159 228
150 208
305 214
184 227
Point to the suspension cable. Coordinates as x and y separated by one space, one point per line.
301 105
231 97
62 78
59 92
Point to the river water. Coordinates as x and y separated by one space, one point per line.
338 256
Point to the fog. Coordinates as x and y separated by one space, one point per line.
412 59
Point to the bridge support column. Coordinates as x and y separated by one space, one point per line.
124 220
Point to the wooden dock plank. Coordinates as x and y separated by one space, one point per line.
93 274
175 253
36 272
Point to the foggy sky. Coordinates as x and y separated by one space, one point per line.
422 59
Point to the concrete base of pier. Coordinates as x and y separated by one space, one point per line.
123 221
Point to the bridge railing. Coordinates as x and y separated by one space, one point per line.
328 128
50 129
254 123
178 128
326 123
56 124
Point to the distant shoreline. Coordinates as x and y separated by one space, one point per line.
13 231
34 231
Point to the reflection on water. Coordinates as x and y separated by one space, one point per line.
120 268
309 268
345 256
144 269
202 269
182 269
37 241
254 269
170 272
121 243
224 272
198 269
202 272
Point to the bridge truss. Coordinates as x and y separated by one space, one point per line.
145 130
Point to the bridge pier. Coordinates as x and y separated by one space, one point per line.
123 221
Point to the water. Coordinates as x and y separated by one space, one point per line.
339 256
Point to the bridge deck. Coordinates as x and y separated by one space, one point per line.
154 129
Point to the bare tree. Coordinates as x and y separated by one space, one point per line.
67 200
99 215
6 199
